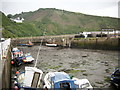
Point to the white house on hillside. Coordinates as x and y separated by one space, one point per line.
17 20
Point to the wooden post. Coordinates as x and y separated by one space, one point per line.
101 32
108 32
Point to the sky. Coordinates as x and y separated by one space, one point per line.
92 7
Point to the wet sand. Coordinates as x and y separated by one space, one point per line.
95 65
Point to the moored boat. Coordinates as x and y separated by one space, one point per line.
61 80
30 44
82 84
16 53
115 77
28 58
58 80
51 45
29 79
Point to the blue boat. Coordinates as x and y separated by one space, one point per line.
16 53
115 77
58 80
61 80
30 44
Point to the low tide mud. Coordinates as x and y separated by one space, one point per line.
95 65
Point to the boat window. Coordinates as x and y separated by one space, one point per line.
84 85
65 85
17 55
35 80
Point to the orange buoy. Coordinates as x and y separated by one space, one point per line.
17 72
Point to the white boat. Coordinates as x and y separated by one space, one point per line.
28 58
83 84
51 45
29 79
58 80
61 80
16 53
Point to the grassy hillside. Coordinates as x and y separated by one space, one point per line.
12 29
56 22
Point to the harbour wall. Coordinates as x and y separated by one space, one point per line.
97 43
5 64
104 43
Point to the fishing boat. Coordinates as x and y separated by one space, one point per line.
17 57
29 79
58 80
16 53
61 80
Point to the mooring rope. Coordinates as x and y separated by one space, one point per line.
39 50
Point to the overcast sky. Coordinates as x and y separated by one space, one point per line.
92 7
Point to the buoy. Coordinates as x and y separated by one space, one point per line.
16 88
17 72
12 62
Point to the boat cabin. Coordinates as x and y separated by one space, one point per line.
29 79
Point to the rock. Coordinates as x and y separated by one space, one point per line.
107 70
84 55
106 63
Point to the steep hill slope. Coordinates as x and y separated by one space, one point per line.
56 22
12 29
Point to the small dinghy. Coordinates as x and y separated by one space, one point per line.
30 44
51 45
28 58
